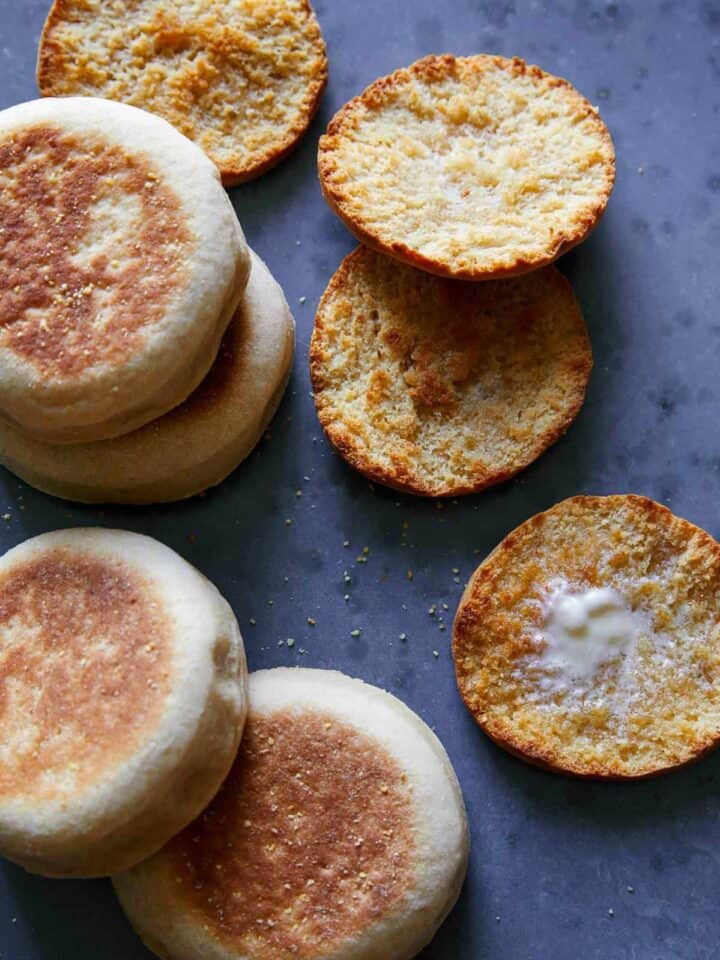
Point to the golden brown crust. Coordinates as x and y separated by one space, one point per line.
241 79
196 444
64 306
416 156
84 661
439 387
311 829
668 570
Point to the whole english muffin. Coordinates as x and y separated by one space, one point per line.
195 445
121 264
242 78
588 642
122 699
440 387
470 167
340 834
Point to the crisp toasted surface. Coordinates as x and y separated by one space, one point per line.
196 444
471 167
313 825
242 78
78 288
440 387
654 708
85 662
340 834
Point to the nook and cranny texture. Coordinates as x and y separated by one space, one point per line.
470 167
242 78
441 387
656 706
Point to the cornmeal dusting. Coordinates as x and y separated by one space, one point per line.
309 840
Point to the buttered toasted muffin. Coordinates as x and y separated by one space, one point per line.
242 78
122 699
470 167
439 387
121 264
339 833
588 642
197 444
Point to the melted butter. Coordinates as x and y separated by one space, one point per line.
585 629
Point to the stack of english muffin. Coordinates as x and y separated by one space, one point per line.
334 828
143 346
447 353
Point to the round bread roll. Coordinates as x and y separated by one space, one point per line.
441 388
340 833
588 642
122 699
194 446
469 167
121 265
242 79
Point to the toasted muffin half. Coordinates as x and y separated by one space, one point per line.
588 642
440 387
241 78
471 167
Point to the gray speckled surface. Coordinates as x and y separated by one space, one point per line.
551 857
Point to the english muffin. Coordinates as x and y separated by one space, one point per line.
588 642
470 167
121 265
340 833
194 446
122 699
439 387
242 78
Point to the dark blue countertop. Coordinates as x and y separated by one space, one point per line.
553 860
